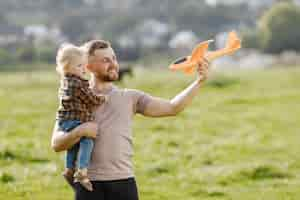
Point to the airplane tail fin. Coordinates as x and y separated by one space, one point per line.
233 42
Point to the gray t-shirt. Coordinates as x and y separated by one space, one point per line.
111 156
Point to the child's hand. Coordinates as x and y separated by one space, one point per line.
202 70
103 98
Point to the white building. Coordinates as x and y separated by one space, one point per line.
252 3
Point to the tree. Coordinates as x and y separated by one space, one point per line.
251 39
279 28
46 54
5 57
26 54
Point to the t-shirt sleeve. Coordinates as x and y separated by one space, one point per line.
140 100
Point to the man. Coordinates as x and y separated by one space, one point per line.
110 169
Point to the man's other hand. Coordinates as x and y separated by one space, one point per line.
202 70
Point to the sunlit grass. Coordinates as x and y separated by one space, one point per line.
238 140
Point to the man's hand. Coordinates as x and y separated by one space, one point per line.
88 129
202 70
61 141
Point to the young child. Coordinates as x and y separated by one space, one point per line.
76 105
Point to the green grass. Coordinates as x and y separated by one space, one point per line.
238 140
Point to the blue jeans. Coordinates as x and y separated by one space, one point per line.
80 151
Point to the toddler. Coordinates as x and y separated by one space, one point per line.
76 105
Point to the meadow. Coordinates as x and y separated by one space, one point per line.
238 140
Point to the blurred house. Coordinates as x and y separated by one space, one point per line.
127 41
90 2
220 40
253 59
152 33
10 33
149 34
42 34
36 30
183 42
116 5
10 36
252 3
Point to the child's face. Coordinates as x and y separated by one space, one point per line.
79 65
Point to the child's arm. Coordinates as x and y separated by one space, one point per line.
82 91
89 97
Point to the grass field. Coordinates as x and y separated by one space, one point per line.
239 139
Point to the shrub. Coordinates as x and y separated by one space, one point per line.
279 28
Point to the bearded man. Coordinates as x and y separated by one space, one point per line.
111 171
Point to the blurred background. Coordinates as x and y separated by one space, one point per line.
31 31
238 140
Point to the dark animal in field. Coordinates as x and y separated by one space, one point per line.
125 71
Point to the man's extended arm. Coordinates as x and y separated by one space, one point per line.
158 107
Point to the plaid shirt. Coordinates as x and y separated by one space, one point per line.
76 99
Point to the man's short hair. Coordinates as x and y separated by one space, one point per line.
93 45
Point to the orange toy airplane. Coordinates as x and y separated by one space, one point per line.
188 64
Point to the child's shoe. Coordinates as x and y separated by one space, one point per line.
68 174
81 176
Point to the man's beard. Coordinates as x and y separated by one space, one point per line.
107 77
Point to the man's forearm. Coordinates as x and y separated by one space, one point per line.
158 107
61 141
184 98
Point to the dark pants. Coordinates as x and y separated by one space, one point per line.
124 189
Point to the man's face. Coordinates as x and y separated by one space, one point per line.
104 65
